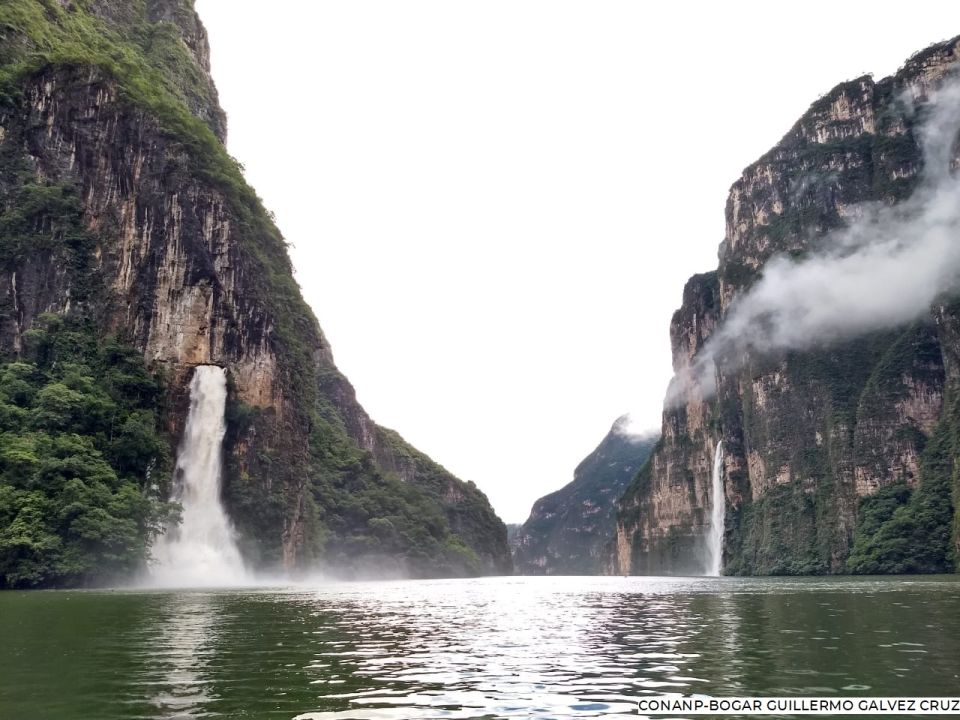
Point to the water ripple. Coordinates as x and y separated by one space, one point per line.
504 647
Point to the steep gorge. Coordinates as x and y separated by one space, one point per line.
840 456
124 217
569 530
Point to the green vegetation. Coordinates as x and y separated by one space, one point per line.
803 526
895 154
149 60
82 463
780 533
850 391
465 506
840 373
152 69
293 479
905 530
811 426
356 515
738 273
914 353
365 513
569 529
43 219
642 482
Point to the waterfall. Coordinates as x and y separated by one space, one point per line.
202 549
718 510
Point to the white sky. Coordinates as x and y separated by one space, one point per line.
494 204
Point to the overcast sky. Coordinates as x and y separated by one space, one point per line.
494 204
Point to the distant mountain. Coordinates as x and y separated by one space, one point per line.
568 530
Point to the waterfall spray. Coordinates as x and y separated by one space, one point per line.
718 510
202 549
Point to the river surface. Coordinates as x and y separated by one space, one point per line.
497 647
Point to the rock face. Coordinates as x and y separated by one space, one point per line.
188 267
568 531
813 439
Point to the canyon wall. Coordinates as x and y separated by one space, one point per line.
825 445
568 531
126 216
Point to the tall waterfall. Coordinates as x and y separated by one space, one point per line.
202 549
718 511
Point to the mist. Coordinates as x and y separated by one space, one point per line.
631 427
883 270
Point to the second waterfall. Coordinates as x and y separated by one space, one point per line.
718 511
202 549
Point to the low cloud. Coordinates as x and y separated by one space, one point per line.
883 270
629 426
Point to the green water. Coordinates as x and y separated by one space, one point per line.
502 647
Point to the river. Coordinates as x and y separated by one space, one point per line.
501 647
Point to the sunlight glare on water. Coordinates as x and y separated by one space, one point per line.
497 647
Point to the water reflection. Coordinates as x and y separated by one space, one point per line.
503 647
506 648
553 649
180 652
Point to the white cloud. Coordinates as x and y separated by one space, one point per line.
883 270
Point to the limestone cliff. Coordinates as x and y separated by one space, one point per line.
823 447
568 531
109 107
